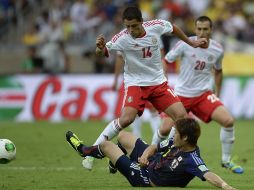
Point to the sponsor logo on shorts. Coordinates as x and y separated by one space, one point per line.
130 99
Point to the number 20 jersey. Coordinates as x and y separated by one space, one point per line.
196 64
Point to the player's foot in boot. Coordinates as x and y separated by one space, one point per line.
74 141
235 168
88 162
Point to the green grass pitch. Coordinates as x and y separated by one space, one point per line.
45 160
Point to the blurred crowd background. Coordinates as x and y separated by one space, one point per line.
58 36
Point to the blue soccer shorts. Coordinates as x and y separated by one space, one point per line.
129 167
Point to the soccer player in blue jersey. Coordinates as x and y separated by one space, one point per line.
171 163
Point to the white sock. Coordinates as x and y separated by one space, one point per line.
136 127
172 133
227 137
157 137
111 130
155 122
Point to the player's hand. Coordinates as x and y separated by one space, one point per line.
143 161
100 42
228 187
201 42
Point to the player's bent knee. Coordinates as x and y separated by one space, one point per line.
164 131
180 115
105 146
228 122
126 120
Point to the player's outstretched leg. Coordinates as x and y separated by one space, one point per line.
111 130
82 149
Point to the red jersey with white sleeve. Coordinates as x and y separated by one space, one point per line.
142 56
196 76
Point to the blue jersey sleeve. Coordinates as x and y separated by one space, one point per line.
196 166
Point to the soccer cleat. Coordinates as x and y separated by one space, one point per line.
74 141
112 169
88 162
233 167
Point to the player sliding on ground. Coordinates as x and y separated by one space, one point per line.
171 163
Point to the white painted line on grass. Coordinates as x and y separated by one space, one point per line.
32 168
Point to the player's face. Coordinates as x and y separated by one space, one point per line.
203 29
178 141
134 27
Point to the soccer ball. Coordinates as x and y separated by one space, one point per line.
7 151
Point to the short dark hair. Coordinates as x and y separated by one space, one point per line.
132 12
189 128
203 19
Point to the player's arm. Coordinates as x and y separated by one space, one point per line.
118 68
152 149
216 180
194 43
149 151
163 53
165 67
100 46
175 53
218 77
164 64
218 74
